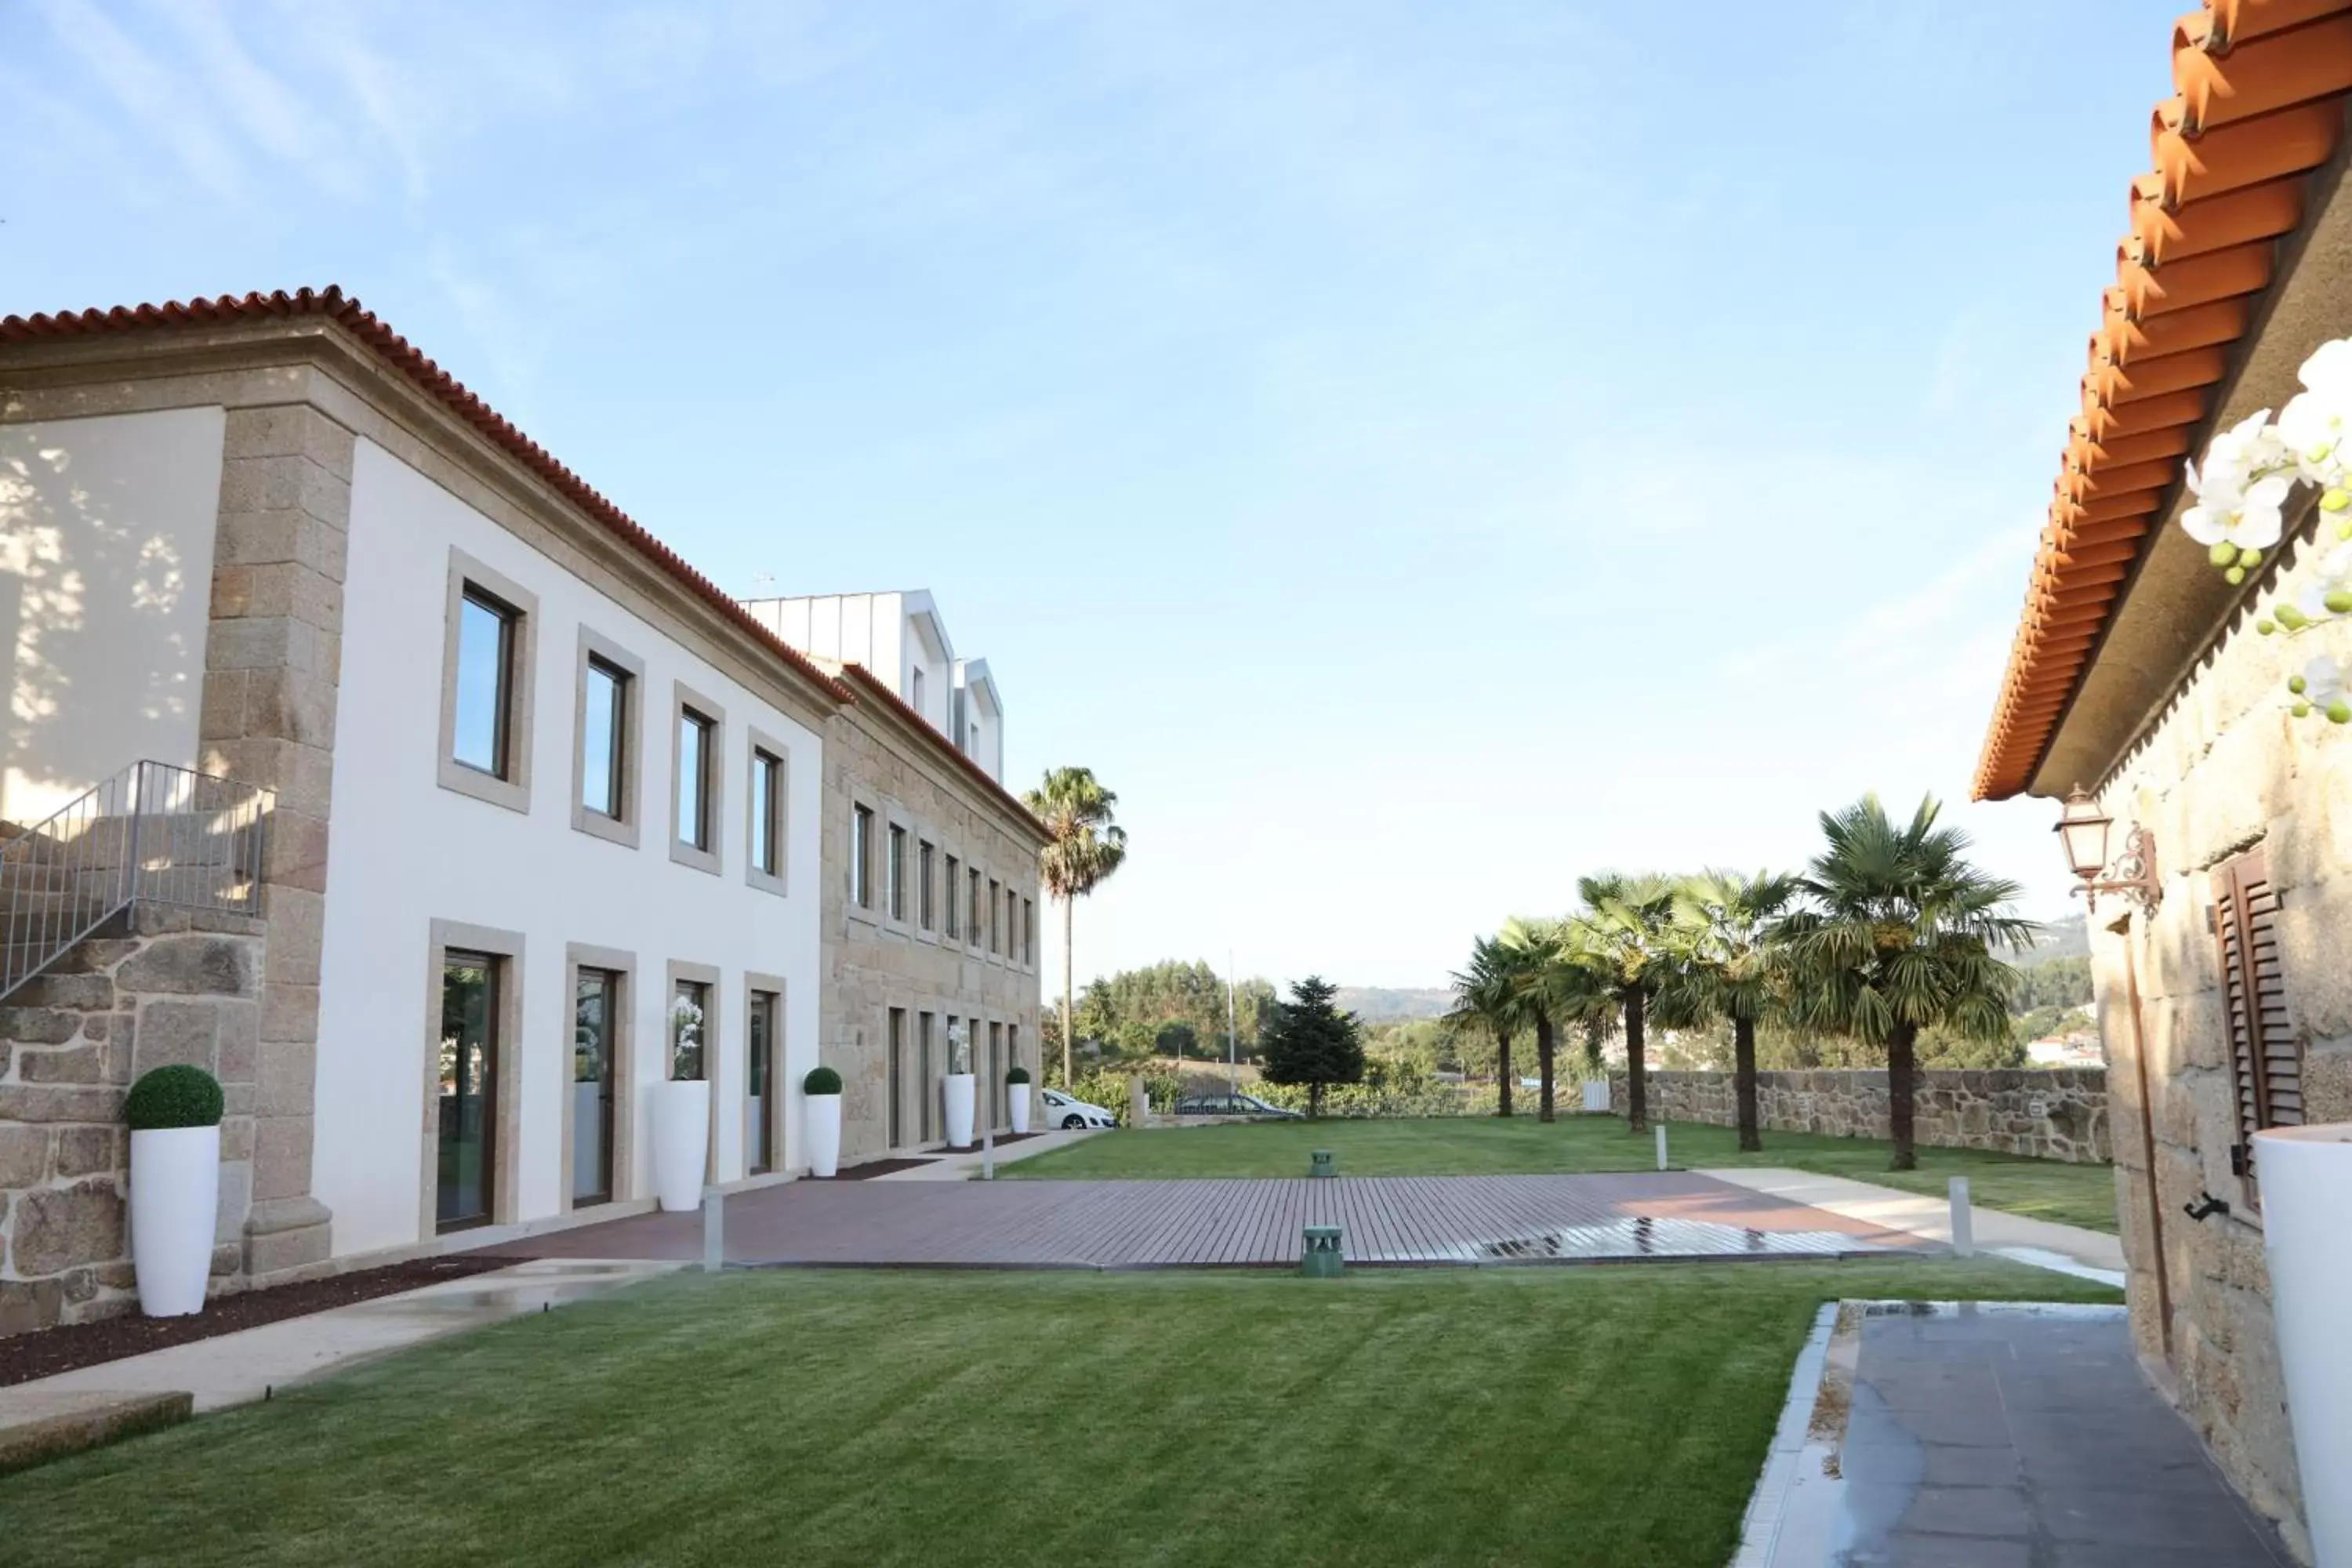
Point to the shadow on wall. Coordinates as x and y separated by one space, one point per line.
103 610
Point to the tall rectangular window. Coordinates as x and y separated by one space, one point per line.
603 735
861 856
995 926
485 694
694 755
595 1014
689 1028
469 1113
1028 931
995 1074
898 867
759 1131
955 891
767 812
926 896
972 925
914 688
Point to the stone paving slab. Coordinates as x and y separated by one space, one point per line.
2045 1243
1390 1220
1989 1434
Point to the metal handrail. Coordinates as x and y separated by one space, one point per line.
151 833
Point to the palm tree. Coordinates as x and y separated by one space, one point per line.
1618 939
1486 995
1898 935
1082 846
1533 962
1726 937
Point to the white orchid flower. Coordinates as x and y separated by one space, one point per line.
2325 684
2247 451
2248 518
2331 593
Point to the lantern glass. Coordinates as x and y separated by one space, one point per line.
2083 831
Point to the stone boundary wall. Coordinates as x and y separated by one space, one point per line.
1992 1110
155 991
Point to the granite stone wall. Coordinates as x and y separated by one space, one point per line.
161 987
875 962
2060 1115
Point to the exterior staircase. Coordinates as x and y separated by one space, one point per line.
153 833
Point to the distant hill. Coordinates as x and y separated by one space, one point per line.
2067 937
1377 1005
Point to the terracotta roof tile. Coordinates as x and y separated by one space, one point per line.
2258 103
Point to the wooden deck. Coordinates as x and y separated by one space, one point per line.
1236 1223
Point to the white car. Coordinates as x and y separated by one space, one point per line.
1061 1110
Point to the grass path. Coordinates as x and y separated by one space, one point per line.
1594 1417
1488 1145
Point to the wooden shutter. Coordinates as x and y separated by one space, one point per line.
2265 1061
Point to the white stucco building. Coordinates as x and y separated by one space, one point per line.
530 781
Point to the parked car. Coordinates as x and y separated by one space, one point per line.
1061 1110
1233 1105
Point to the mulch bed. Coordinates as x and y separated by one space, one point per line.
868 1170
44 1352
1004 1138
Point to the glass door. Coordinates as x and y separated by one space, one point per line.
469 1078
595 1011
760 1154
898 1073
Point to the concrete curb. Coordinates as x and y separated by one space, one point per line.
35 1428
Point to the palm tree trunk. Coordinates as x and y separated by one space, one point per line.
1637 1088
1069 1019
1503 1072
1543 1063
1743 1080
1902 1087
1315 1100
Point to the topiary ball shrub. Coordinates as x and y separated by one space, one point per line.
179 1095
1018 1075
820 1080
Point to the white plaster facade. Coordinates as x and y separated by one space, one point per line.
431 854
106 557
979 729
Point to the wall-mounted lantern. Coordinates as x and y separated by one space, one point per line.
2083 829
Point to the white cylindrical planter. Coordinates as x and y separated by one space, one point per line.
681 1142
174 1209
824 1116
1596 1095
1016 1100
2306 1176
959 1090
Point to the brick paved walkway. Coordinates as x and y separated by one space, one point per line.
1213 1223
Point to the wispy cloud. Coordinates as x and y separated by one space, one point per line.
149 93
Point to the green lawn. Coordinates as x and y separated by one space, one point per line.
1577 1415
1490 1145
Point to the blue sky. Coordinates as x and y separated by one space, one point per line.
1415 454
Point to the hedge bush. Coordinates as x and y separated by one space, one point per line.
1017 1075
820 1080
179 1095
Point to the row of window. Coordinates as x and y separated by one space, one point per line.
919 1063
480 1019
993 915
487 726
